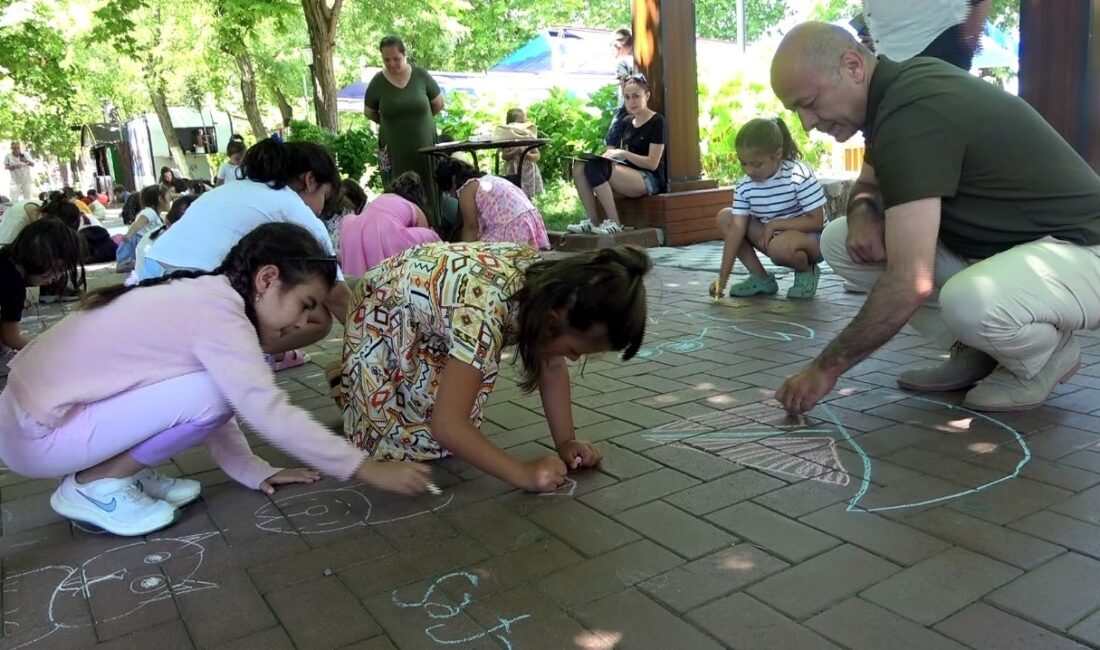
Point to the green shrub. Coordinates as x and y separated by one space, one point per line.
355 149
303 131
559 205
573 126
723 111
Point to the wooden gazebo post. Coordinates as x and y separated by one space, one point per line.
664 50
1060 68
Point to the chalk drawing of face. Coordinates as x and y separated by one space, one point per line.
317 512
113 584
814 451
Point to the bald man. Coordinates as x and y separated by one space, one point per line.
968 200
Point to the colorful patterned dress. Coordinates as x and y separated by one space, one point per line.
408 315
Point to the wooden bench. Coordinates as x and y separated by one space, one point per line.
685 217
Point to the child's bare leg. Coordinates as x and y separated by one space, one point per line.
123 465
754 236
732 228
795 249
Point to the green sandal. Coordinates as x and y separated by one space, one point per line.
755 285
805 283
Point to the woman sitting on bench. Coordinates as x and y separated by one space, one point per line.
636 168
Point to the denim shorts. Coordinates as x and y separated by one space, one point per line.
652 185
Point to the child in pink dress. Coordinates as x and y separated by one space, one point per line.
492 209
387 225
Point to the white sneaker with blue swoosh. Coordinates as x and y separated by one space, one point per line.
117 505
176 491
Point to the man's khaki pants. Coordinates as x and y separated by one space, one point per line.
1016 306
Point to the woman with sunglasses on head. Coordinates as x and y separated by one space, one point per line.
635 166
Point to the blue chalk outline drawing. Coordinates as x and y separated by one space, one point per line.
865 482
695 343
446 611
697 435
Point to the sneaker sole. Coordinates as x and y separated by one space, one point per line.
753 295
184 502
1012 408
89 515
937 388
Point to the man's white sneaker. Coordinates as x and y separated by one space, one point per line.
581 227
609 227
117 505
176 491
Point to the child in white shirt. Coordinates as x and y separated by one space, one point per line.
778 209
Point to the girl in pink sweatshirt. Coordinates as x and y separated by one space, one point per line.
177 381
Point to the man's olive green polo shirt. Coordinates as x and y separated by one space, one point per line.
1005 176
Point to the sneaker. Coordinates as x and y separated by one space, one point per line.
755 285
1004 391
805 283
176 491
608 227
581 227
117 505
965 367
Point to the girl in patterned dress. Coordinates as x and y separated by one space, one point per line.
425 335
491 208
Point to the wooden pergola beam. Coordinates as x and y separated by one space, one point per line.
664 50
1060 68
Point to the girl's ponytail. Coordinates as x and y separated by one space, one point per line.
790 149
602 287
768 136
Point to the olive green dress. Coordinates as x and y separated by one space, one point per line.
406 126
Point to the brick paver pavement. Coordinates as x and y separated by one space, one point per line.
880 520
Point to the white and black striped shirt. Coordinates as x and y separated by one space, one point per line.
791 192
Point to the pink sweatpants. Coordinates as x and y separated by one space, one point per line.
153 423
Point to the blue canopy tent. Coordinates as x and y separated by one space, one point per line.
997 49
574 58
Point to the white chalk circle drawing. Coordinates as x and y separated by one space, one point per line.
113 584
810 452
334 509
437 610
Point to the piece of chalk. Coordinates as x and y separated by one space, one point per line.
327 572
433 489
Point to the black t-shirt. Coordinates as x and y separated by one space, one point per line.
636 140
13 291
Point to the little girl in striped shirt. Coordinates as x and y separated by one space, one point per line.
778 209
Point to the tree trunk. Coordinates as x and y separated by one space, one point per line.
285 109
321 20
248 93
160 105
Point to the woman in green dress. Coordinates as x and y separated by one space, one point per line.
403 99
